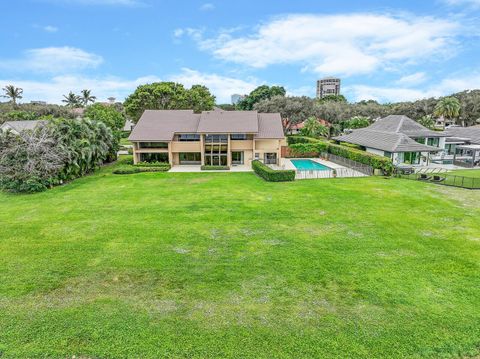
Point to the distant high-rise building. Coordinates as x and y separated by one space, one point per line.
236 98
328 86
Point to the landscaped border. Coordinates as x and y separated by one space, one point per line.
271 175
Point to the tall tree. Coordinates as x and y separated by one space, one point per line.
71 100
356 122
13 93
263 92
167 96
87 97
199 98
448 108
293 110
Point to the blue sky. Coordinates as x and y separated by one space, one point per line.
384 50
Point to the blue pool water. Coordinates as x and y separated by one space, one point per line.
309 165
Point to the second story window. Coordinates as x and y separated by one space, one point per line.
238 136
188 137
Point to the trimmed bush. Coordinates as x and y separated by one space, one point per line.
301 139
214 168
153 164
272 175
127 170
377 162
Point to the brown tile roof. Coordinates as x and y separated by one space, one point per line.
269 126
228 122
161 125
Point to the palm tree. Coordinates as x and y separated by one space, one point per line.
448 108
71 99
313 128
13 93
87 97
427 121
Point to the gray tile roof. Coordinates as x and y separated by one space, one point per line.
22 125
161 125
385 141
470 133
269 126
405 125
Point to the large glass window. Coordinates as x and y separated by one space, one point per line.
190 158
154 157
216 149
450 148
433 142
411 158
153 144
188 137
420 140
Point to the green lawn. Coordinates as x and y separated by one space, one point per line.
125 141
467 173
225 265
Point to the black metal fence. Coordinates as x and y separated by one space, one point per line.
446 179
350 164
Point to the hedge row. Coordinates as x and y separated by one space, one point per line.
301 139
153 164
127 170
272 175
214 168
317 146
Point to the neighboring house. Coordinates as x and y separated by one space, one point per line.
463 145
296 128
224 138
18 126
129 125
399 138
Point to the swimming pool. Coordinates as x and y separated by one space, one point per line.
309 165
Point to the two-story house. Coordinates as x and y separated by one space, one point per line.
217 138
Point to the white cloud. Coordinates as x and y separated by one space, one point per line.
207 7
178 32
53 89
50 28
412 79
53 60
345 44
445 87
221 86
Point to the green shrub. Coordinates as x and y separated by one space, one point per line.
214 168
131 169
301 139
272 175
377 162
153 164
126 170
125 160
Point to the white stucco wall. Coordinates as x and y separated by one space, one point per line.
375 151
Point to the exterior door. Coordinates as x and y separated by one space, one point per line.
270 158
